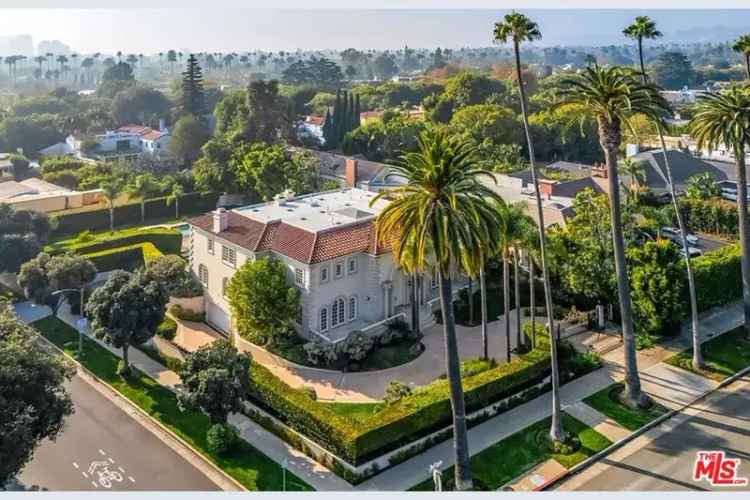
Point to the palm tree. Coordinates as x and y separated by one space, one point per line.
176 192
642 29
612 96
636 170
702 187
441 219
518 28
742 46
143 187
111 190
511 229
724 118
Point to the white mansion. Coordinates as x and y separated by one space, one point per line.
326 240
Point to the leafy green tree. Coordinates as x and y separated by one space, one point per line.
268 118
192 98
724 119
20 166
702 187
32 388
140 105
657 278
216 380
211 171
263 304
188 137
441 219
171 270
144 187
673 70
612 96
487 122
384 66
384 140
126 311
115 79
468 88
29 133
268 170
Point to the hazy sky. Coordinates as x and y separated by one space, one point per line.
221 27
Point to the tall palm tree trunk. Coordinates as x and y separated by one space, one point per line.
557 432
634 396
640 57
532 302
414 304
697 351
111 217
143 210
747 65
177 207
517 299
470 297
739 155
506 305
460 433
483 296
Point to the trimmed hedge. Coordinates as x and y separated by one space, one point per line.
715 215
168 241
718 277
128 258
157 208
426 410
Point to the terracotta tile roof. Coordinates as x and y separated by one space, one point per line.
338 242
296 243
153 135
315 120
135 129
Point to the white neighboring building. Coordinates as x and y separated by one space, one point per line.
127 142
326 240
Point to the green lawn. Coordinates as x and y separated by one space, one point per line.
724 356
502 462
627 417
246 464
358 411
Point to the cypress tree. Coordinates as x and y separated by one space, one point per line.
344 117
193 99
336 121
355 117
328 129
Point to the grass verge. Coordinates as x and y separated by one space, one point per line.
247 465
605 402
502 462
724 356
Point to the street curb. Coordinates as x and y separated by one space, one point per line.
120 400
637 433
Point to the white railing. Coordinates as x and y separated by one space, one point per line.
381 322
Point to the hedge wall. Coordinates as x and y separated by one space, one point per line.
425 411
128 258
98 220
718 277
715 215
168 241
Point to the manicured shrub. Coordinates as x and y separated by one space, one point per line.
127 258
714 215
319 353
168 241
358 345
396 391
221 438
186 314
718 278
310 391
167 329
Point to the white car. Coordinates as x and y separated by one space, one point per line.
729 194
694 252
669 231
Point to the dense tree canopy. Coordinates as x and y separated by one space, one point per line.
140 105
34 400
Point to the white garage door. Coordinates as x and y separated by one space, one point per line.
218 318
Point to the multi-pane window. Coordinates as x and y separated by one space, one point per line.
338 270
352 264
352 308
323 319
228 255
224 286
324 274
210 246
338 312
299 276
203 274
298 318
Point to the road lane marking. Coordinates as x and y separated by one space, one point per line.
94 483
101 452
75 465
110 460
131 479
85 475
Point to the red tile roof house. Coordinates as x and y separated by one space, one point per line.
347 281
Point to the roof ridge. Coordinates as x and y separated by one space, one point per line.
312 248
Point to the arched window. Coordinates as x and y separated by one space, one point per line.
324 319
203 274
352 308
338 316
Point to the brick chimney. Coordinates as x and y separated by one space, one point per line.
351 172
220 219
546 188
599 170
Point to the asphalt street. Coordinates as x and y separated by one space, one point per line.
102 448
667 462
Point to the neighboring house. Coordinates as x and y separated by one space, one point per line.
41 196
127 142
312 127
356 172
6 167
348 282
683 166
720 153
683 96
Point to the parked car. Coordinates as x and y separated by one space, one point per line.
673 234
694 252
